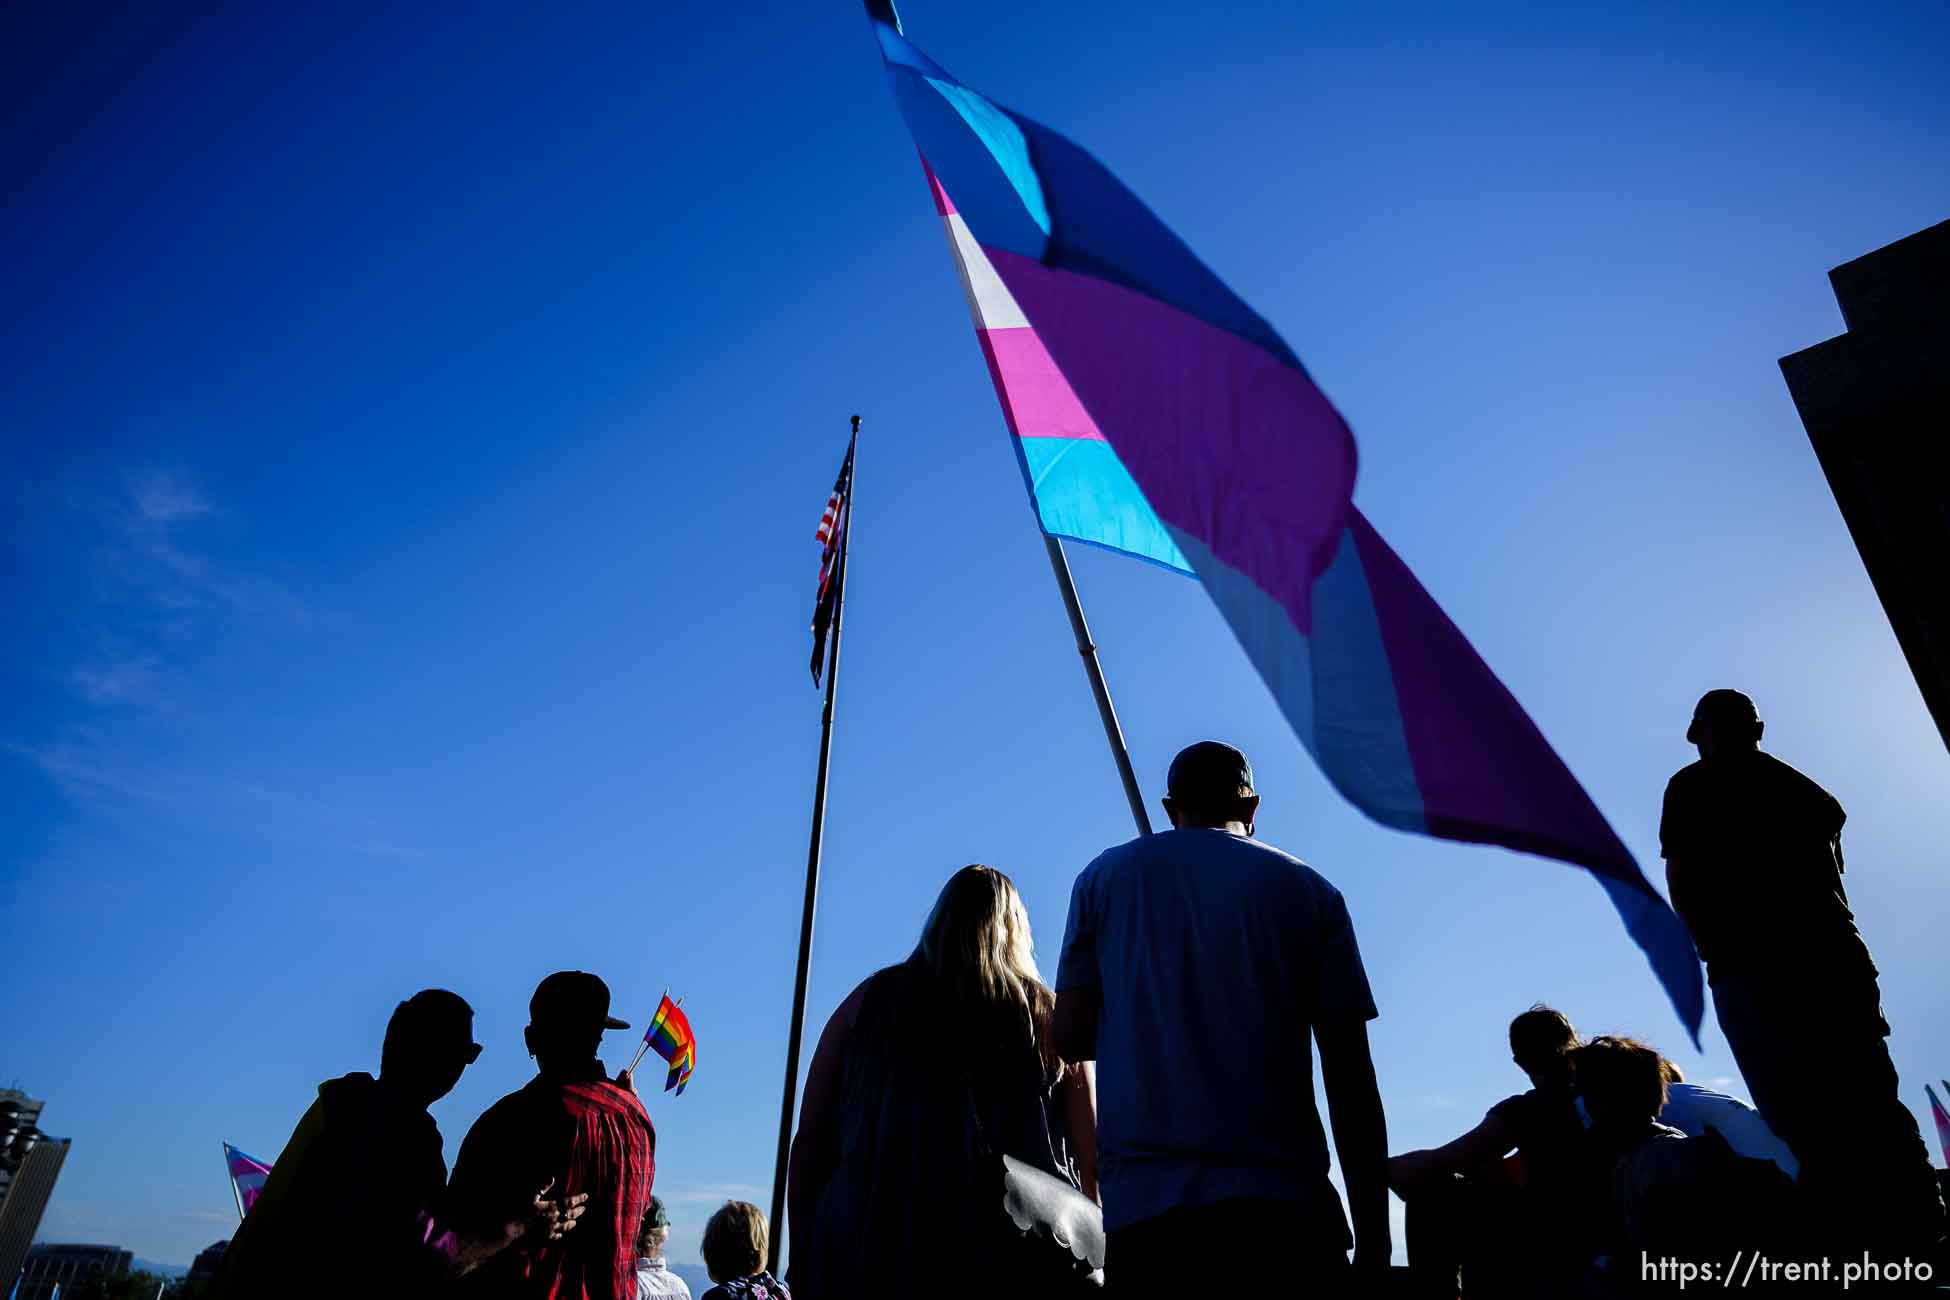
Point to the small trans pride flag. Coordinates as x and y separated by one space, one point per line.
247 1175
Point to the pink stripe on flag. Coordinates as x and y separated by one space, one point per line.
942 203
1035 397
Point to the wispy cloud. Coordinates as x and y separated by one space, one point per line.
166 497
149 554
116 680
714 1193
89 770
382 849
162 597
81 774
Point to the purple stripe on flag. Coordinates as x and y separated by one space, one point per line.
1485 772
1267 483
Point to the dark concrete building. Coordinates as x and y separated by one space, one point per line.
63 1266
30 1161
1876 403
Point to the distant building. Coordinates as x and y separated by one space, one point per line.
29 1163
208 1261
1876 404
19 1116
64 1266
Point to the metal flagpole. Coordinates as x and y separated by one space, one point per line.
644 1046
812 878
1095 671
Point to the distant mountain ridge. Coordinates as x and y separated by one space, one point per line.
694 1276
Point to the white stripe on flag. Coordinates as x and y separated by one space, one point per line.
989 300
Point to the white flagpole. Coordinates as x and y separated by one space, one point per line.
235 1195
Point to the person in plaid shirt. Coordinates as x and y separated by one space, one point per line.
574 1124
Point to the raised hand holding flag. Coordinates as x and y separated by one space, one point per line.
670 1037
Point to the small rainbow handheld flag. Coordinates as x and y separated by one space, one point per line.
670 1037
247 1175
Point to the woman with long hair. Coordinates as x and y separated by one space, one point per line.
929 1069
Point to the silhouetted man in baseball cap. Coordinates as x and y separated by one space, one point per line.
357 1200
1204 934
574 1124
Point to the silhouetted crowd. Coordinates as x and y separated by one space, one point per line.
550 1195
1148 1126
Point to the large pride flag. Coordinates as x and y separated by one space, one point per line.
1156 414
247 1175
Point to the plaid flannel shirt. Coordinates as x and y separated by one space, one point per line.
586 1134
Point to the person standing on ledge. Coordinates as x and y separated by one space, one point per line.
1194 963
1753 855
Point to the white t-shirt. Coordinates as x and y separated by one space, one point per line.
1212 954
1692 1110
655 1281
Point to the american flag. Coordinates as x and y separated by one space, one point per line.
832 568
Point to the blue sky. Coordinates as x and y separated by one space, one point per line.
415 425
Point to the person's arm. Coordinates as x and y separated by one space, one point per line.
497 1176
1073 1025
1360 1135
1079 993
461 1253
1679 890
816 1146
1677 845
1483 1145
1343 1005
1080 1121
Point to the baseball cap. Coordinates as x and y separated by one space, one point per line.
657 1217
573 999
1725 703
1210 772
